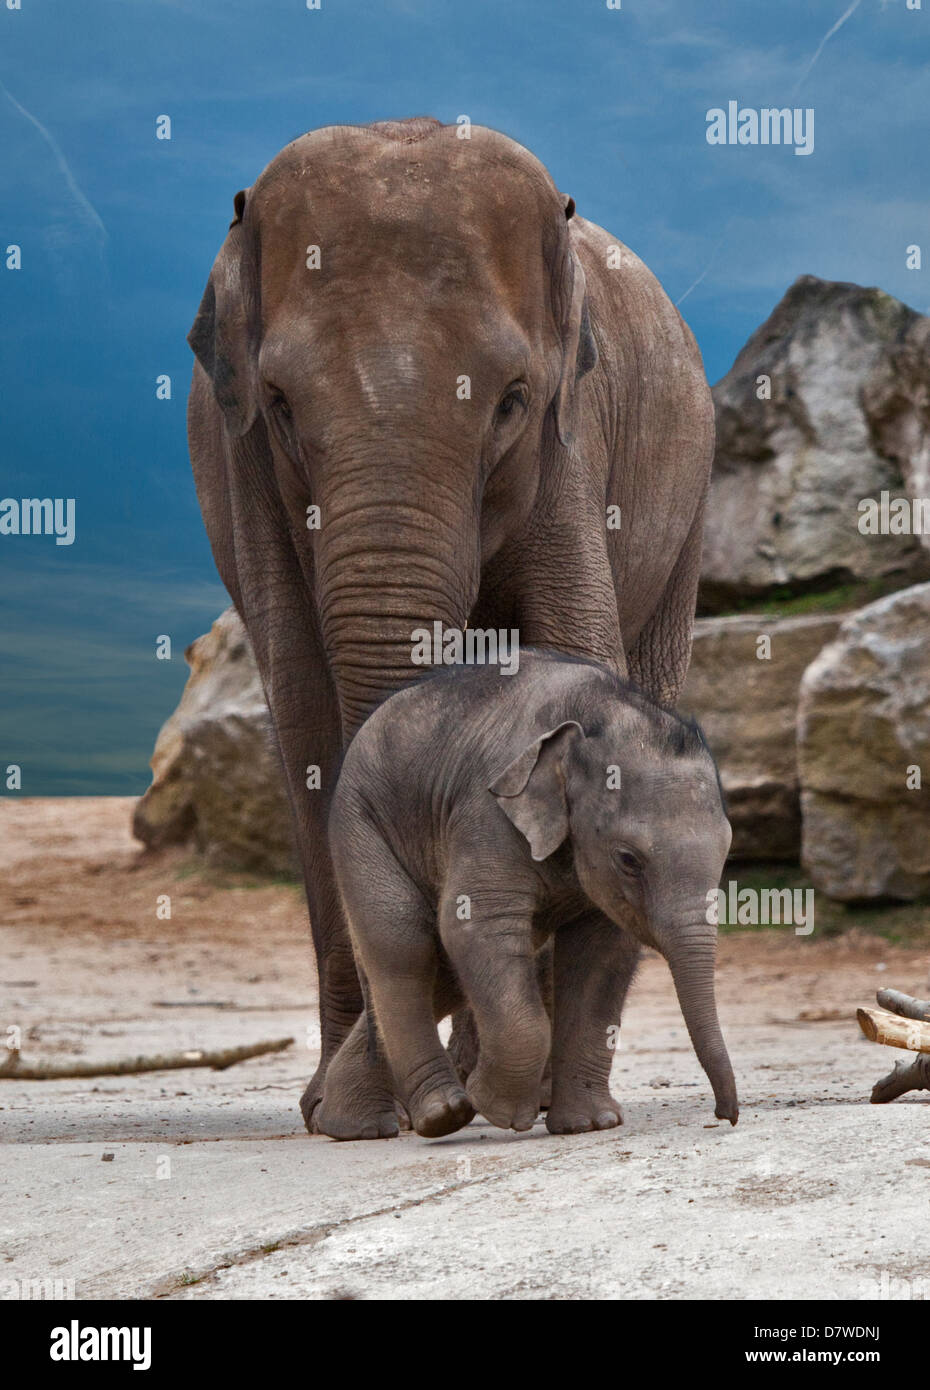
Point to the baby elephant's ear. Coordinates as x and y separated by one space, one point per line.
531 790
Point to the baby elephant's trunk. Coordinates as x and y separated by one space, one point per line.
692 958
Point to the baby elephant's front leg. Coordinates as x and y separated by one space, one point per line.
491 950
595 960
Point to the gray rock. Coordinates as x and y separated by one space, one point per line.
863 726
747 707
847 420
217 782
896 400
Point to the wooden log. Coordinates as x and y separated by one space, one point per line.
909 1074
14 1069
905 1004
893 1030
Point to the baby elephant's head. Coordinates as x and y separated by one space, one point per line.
635 791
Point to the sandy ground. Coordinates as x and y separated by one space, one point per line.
203 1184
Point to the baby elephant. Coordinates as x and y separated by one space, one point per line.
477 815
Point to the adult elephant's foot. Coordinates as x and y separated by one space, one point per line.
357 1100
310 1100
509 1103
582 1111
376 1119
356 1104
441 1110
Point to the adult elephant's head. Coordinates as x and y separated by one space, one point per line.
394 328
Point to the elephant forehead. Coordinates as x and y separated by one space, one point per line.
654 787
450 233
400 323
403 252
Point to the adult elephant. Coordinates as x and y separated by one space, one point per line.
412 332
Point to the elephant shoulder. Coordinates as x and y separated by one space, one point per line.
612 270
628 305
599 251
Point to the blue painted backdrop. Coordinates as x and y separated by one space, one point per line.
118 231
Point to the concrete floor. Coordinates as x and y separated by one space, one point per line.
213 1190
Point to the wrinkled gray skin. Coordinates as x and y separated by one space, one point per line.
340 387
501 792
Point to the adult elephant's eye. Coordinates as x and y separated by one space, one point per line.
513 399
628 863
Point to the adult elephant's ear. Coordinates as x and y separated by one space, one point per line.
531 790
579 351
223 336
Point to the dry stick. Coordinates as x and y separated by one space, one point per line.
907 1076
904 1004
896 1032
14 1069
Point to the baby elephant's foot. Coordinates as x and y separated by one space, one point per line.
463 1044
501 1102
441 1110
578 1113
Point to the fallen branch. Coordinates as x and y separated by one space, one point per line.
894 1031
904 1004
14 1068
907 1025
908 1075
194 1004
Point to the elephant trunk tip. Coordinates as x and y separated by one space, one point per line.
727 1104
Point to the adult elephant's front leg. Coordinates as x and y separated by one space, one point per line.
254 548
308 735
278 612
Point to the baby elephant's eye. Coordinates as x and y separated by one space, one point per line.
280 406
627 863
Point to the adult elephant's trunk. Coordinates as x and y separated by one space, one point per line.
691 953
396 551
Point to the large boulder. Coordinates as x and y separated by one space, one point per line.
863 744
218 783
844 380
896 400
745 692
